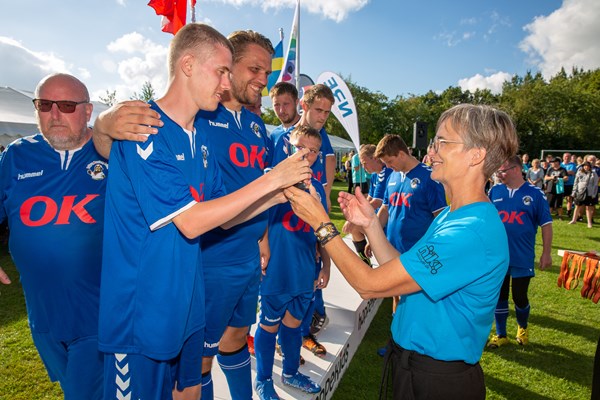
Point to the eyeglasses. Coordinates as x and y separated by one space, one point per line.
65 106
504 171
434 144
313 151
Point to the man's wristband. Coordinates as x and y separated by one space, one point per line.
325 232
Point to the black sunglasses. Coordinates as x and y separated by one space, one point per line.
65 106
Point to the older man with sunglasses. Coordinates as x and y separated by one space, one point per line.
52 187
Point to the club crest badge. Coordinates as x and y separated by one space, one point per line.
256 129
527 200
204 150
415 182
97 170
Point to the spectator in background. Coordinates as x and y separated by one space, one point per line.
585 191
535 174
515 197
349 171
555 178
359 174
571 168
525 164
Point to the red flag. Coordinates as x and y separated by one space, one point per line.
173 12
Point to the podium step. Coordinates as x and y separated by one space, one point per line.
349 320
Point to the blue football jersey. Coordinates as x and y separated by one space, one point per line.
379 183
411 200
243 150
521 210
152 292
293 244
283 151
276 134
54 203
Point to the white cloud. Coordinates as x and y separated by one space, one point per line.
492 82
25 67
569 37
454 38
146 61
336 10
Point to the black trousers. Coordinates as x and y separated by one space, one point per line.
596 376
419 377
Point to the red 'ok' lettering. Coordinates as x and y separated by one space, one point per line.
292 223
397 199
67 207
241 157
511 217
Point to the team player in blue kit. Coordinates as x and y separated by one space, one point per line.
522 208
231 258
450 279
287 288
412 198
52 188
162 197
316 105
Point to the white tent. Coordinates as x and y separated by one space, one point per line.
17 118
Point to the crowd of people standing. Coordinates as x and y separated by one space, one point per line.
203 210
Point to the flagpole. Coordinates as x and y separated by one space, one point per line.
298 52
193 10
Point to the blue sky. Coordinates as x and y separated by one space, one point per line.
397 47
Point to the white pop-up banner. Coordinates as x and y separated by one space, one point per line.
344 108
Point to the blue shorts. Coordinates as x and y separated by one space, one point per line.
141 377
76 365
274 306
231 300
520 272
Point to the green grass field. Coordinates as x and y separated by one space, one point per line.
564 330
563 333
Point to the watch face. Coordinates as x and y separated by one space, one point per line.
322 232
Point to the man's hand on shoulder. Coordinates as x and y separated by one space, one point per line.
128 120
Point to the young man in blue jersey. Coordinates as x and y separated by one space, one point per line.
232 259
316 105
450 279
52 188
284 97
288 285
522 208
164 194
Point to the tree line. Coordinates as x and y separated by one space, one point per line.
560 113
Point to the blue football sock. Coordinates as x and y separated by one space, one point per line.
307 320
501 315
291 342
207 386
522 315
264 349
238 371
319 303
